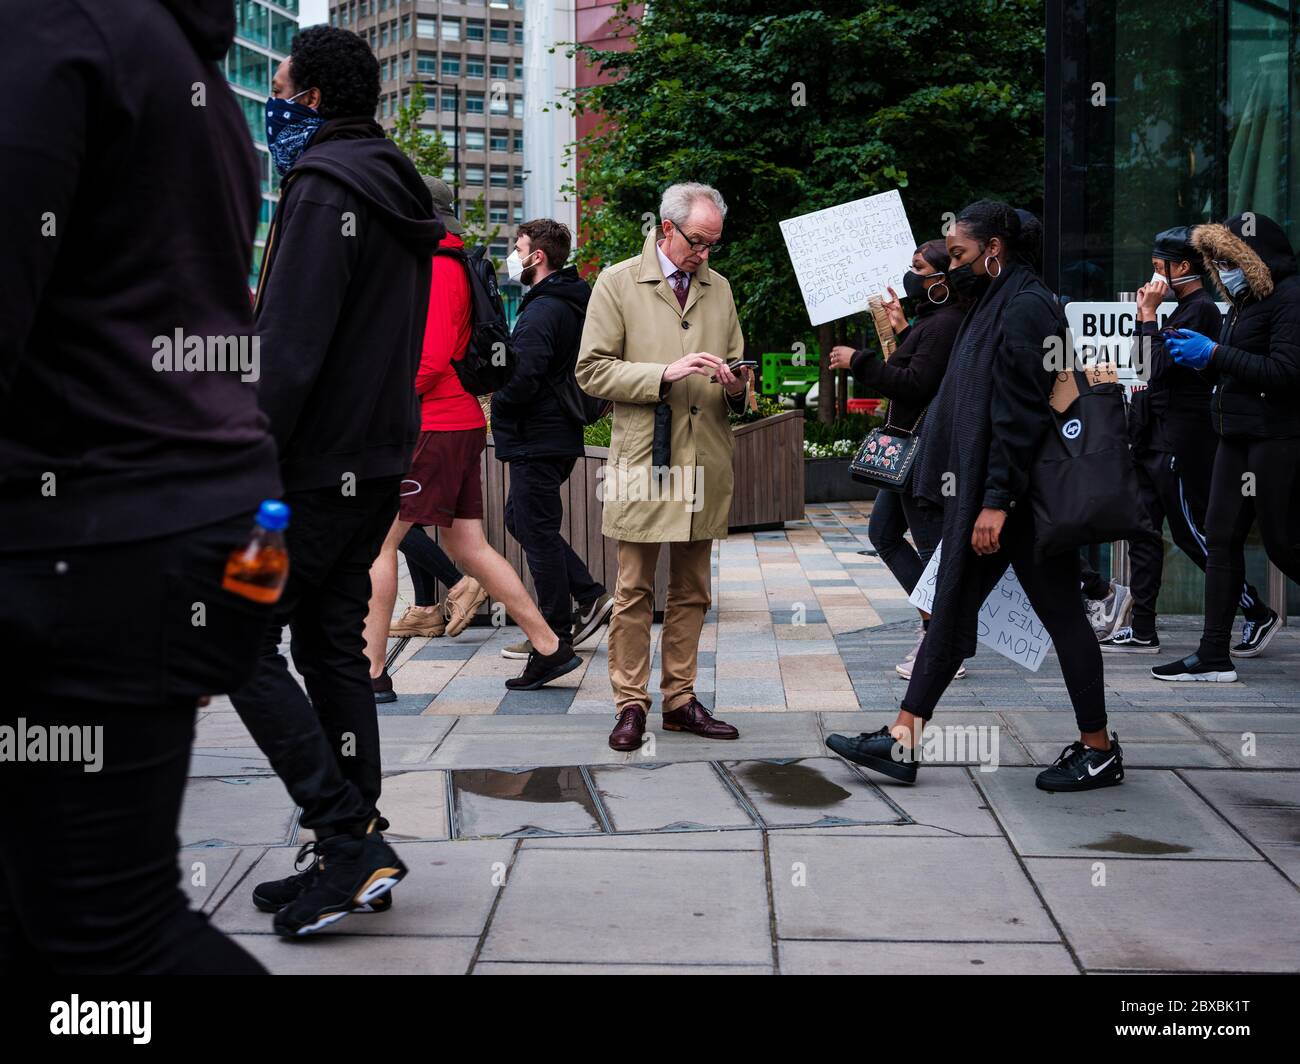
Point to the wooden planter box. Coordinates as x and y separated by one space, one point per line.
768 468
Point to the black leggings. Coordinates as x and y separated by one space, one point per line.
428 564
1252 480
892 514
1053 589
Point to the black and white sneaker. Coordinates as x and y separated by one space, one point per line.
1125 641
1112 613
877 750
352 872
1255 636
1192 668
589 619
541 669
1081 768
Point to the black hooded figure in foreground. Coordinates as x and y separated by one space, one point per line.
985 428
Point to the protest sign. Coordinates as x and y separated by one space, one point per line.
844 255
1007 622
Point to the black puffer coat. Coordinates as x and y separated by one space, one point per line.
1256 367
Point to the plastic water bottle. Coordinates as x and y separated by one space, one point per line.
259 569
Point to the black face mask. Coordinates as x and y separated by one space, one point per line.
913 284
966 282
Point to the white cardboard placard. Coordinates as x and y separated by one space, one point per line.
843 255
1007 622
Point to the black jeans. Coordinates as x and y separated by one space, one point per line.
326 749
1093 585
428 565
111 638
1170 490
1252 480
1053 589
892 514
534 512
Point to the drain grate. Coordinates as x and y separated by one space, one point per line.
691 796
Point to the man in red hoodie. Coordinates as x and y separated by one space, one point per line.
445 487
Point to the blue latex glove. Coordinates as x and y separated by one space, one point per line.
1190 348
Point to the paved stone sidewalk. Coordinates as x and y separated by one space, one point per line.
533 847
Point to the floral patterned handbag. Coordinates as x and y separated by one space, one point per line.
887 455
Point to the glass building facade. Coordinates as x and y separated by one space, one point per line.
1161 114
263 30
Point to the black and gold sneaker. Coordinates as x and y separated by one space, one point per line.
352 872
1081 768
274 894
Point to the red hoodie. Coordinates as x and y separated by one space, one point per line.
444 404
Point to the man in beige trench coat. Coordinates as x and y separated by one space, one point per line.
660 330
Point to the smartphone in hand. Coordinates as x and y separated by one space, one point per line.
736 367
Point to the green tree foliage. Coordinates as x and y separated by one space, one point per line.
789 106
478 230
425 150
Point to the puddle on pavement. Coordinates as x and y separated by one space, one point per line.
1119 842
789 784
538 801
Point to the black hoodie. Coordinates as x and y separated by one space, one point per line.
528 419
341 308
130 195
1256 366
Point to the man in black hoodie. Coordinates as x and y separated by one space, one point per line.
132 458
1174 444
1254 367
537 423
340 310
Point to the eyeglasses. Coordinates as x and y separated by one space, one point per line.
699 246
1224 264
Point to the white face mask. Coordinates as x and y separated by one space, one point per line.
1158 276
515 265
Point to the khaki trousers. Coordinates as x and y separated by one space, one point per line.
629 624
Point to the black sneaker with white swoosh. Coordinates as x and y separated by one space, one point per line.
1081 768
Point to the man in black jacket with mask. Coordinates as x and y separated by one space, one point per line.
132 458
1174 445
537 423
1254 368
340 309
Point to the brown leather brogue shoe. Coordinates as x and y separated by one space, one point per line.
694 718
630 729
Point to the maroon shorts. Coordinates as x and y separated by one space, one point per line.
444 482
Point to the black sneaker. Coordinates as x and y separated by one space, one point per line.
1255 635
1081 768
352 872
1127 642
275 894
383 687
877 750
588 620
543 668
1192 668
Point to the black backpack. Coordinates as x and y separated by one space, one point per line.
489 360
578 405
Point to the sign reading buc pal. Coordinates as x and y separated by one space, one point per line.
844 255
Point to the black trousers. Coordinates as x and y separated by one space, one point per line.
324 747
123 639
534 513
1053 589
428 564
1180 493
892 514
1253 480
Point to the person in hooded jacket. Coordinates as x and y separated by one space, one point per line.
983 432
910 379
340 311
129 469
1253 368
537 430
1173 446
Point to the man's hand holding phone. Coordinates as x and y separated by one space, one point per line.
735 376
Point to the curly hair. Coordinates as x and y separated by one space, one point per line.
341 65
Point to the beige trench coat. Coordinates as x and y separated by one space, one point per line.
634 328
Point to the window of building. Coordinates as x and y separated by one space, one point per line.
406 63
500 105
474 29
449 103
517 107
500 69
473 103
519 71
383 35
500 142
517 215
474 175
500 177
448 137
501 32
406 26
474 139
427 63
451 29
498 213
519 35
449 174
451 66
473 68
518 182
427 26
519 142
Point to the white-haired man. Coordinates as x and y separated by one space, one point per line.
660 330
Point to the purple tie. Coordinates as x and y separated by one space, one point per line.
681 281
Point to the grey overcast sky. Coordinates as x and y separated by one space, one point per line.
310 12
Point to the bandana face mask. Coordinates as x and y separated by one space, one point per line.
289 128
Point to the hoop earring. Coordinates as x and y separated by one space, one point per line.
991 274
946 293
